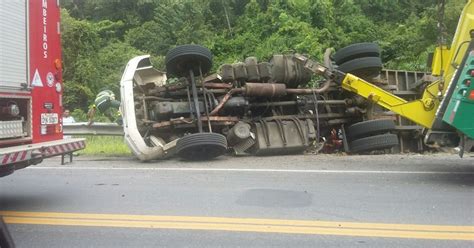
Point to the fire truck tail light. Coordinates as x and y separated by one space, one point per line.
58 64
58 128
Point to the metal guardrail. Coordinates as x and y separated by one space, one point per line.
97 128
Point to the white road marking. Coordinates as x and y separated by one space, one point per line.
255 170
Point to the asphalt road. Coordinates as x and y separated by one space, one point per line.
287 201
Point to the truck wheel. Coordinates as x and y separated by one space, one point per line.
368 128
372 143
362 67
358 50
181 59
201 146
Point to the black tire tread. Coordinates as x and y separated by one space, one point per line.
366 66
357 50
217 143
188 53
368 128
187 49
372 143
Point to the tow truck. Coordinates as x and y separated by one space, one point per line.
446 107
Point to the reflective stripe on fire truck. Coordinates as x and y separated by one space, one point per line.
15 157
45 151
64 148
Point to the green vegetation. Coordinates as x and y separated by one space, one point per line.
100 36
105 146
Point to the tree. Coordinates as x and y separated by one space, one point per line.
94 59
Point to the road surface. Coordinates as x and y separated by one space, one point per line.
286 201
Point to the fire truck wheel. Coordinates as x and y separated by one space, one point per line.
368 128
362 67
357 50
201 146
181 59
372 143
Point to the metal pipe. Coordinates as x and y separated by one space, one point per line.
310 91
290 103
218 85
196 100
183 92
154 98
224 100
269 90
206 107
264 90
309 116
190 102
204 93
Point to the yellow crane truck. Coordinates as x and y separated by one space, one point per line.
446 106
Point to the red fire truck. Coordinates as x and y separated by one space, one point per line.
31 85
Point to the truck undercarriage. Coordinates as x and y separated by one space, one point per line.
291 103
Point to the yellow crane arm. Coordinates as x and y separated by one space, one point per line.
423 111
419 111
446 61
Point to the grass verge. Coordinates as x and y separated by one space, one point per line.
105 146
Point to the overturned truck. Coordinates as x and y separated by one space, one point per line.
282 106
292 103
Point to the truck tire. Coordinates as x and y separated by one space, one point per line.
181 59
368 128
372 143
357 50
201 146
362 67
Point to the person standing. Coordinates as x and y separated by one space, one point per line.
67 119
